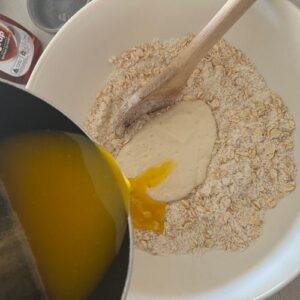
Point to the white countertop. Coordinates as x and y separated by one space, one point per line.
17 10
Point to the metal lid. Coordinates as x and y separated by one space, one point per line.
50 15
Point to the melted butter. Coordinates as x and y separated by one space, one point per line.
146 212
68 201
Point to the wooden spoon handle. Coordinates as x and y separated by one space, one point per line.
185 63
162 90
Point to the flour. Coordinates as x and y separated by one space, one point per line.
252 165
185 134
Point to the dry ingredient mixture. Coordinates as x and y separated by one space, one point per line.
252 164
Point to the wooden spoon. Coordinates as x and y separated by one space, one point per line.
162 90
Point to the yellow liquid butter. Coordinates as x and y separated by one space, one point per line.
70 205
148 213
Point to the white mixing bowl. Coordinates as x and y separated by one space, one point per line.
75 66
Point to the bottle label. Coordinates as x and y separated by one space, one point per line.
16 50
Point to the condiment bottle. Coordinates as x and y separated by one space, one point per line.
19 51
